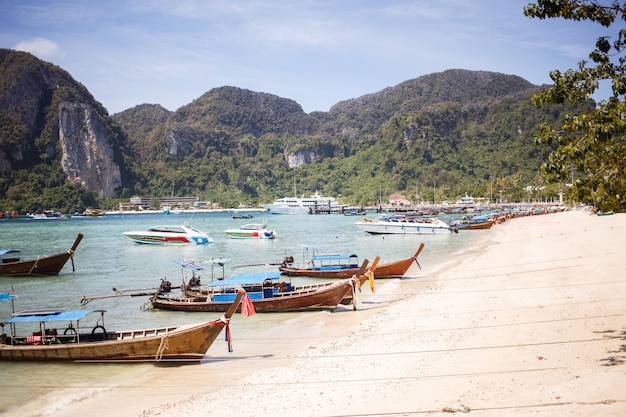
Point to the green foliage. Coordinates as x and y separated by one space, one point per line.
465 131
592 141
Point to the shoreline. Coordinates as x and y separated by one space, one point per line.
530 320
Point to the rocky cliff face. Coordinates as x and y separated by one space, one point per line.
87 153
299 158
45 115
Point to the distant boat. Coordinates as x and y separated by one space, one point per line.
399 224
473 223
12 265
169 235
305 205
465 201
46 215
242 216
251 231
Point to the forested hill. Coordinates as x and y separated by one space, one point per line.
461 129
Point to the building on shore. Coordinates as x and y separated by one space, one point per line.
147 203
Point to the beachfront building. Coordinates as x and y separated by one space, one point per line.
147 203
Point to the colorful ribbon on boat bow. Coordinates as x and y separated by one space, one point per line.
370 276
356 290
224 322
247 308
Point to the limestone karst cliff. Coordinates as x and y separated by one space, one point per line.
48 117
87 153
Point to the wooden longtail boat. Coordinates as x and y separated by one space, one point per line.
270 298
397 269
389 270
186 343
10 263
324 272
265 290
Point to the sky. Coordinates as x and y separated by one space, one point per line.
315 52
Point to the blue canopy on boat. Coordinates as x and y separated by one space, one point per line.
246 278
189 264
219 261
6 296
334 257
49 315
197 267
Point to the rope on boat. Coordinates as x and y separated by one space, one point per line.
225 322
34 265
163 346
71 252
356 289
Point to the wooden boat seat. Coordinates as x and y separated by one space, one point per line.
135 334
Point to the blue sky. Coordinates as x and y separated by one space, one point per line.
315 52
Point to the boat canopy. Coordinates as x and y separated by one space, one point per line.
30 316
6 296
246 278
334 257
10 255
219 261
189 264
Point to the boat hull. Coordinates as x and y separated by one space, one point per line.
184 343
324 296
41 266
250 234
395 269
185 236
403 228
187 343
473 225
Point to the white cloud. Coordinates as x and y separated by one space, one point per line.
40 47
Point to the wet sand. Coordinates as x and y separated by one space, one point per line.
530 321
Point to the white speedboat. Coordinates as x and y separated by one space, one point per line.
400 224
251 231
169 235
305 205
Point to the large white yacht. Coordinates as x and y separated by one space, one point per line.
303 205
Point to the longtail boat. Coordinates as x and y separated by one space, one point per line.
184 343
265 290
388 270
12 265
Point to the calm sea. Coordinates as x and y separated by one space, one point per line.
106 259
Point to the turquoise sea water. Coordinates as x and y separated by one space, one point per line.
106 259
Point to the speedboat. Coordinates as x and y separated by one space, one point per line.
251 231
400 224
170 235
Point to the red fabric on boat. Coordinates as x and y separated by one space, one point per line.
247 308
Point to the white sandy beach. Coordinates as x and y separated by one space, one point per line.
533 322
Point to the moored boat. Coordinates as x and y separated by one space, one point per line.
401 224
305 205
321 268
11 263
267 292
169 235
326 266
186 343
251 231
473 223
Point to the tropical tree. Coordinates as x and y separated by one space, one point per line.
593 142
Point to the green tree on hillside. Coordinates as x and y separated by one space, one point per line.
593 142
